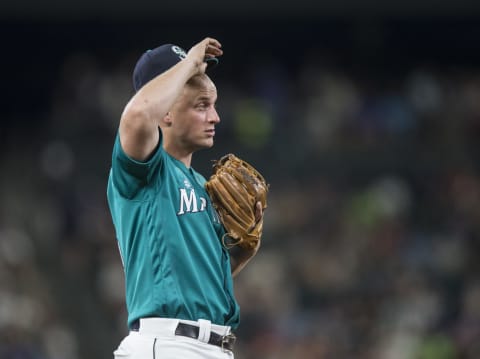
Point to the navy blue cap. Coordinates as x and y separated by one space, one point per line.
158 60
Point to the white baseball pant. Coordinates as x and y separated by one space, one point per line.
156 339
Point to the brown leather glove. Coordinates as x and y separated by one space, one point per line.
235 187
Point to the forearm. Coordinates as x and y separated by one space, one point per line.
157 96
148 107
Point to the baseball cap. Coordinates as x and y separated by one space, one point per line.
158 60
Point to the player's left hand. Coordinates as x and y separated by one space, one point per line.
258 211
258 218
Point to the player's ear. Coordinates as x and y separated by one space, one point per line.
167 119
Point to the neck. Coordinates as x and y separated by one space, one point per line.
183 156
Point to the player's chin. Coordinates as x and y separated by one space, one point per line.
208 142
205 144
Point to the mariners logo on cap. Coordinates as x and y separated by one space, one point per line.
179 51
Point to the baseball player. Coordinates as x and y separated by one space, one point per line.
178 275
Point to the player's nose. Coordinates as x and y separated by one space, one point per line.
213 116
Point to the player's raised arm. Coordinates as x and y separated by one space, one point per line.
156 92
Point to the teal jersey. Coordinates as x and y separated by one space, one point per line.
169 238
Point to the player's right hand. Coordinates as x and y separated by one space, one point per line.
207 48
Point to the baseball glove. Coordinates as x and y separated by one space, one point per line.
234 188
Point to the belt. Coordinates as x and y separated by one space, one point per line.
225 342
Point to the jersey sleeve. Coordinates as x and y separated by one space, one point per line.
128 175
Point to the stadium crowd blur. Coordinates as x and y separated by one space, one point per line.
372 232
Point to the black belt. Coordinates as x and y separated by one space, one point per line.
192 331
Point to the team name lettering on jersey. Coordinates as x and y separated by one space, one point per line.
189 203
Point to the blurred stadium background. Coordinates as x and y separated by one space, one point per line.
364 117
